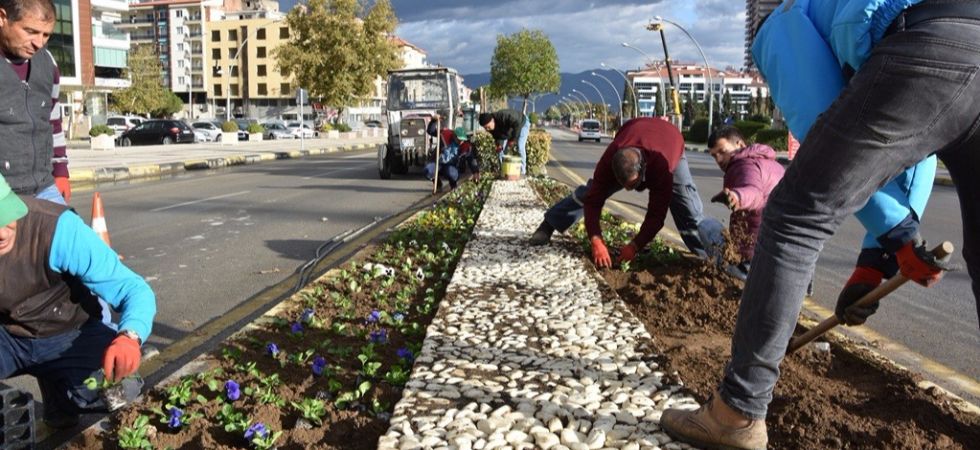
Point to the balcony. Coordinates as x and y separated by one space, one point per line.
142 38
135 22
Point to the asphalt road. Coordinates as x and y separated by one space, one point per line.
937 326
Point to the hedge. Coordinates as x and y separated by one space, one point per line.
748 128
101 129
773 138
229 127
538 152
698 131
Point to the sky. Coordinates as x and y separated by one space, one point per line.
463 33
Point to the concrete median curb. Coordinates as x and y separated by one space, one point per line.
104 174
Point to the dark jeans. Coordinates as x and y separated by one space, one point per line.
685 208
468 161
916 93
60 363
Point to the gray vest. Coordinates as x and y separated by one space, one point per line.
26 142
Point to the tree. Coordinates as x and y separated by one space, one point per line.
524 63
146 93
552 113
338 48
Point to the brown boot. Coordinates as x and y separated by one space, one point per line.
704 428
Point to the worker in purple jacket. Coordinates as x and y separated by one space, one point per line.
751 173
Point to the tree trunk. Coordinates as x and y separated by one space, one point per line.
524 106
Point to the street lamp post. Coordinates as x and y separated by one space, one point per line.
707 68
605 118
617 95
585 99
234 60
660 80
629 85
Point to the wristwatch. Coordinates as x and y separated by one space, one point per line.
132 335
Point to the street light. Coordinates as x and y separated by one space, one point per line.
617 95
707 68
585 99
660 80
234 60
605 118
628 84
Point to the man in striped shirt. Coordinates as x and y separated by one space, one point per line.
33 157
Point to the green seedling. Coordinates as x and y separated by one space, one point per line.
397 376
312 409
134 436
233 421
181 393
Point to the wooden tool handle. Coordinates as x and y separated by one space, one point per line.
940 251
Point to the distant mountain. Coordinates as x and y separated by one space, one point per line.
569 81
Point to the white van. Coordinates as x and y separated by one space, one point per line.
122 123
589 129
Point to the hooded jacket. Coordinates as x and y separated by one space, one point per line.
752 173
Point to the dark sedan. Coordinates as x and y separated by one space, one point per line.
162 131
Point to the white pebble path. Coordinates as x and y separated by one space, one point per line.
531 349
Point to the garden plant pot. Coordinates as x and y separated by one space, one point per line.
103 142
511 170
229 138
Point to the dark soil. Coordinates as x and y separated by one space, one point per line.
845 398
339 330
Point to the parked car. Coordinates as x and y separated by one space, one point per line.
304 131
589 129
119 124
243 127
210 130
163 131
276 130
373 124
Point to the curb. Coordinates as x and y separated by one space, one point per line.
120 173
784 160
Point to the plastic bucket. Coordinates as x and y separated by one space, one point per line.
511 169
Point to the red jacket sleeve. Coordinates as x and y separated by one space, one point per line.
660 182
603 182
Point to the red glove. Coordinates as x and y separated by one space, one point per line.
918 264
627 253
64 187
121 358
600 254
862 281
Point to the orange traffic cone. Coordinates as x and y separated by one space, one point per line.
98 220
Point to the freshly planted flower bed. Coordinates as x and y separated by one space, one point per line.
841 398
325 370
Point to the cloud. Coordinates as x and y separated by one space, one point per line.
463 33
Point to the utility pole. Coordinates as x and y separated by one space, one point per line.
675 97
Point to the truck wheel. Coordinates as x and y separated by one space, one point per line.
384 163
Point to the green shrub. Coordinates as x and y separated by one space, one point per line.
698 131
342 127
325 127
100 130
538 152
255 128
229 126
748 128
533 118
773 138
759 118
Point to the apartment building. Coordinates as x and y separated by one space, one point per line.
755 11
653 82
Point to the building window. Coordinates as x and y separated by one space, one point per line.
215 36
179 13
284 33
260 34
260 52
180 80
232 35
284 89
180 63
260 70
217 90
62 42
234 90
180 46
262 89
216 53
234 71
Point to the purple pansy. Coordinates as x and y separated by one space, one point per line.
257 430
307 315
273 349
318 364
175 414
374 317
232 390
296 328
398 317
405 354
379 336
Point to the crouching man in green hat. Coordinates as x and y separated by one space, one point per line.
53 269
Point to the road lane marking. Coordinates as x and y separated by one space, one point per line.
178 205
927 365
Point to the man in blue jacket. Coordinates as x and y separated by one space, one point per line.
909 82
52 269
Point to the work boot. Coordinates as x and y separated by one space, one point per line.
701 428
58 419
542 236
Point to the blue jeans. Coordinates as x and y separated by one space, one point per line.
685 208
521 146
916 93
51 193
446 172
60 364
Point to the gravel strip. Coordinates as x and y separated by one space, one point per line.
530 349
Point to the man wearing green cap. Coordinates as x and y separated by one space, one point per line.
53 269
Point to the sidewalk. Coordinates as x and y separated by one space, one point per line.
122 163
531 349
